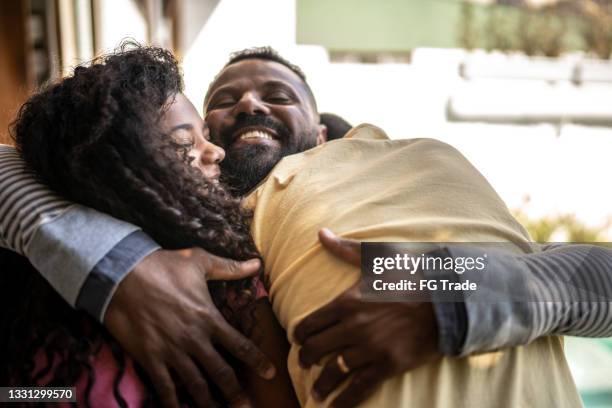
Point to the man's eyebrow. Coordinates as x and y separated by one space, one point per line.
276 82
184 126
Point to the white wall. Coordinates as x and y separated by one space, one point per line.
117 20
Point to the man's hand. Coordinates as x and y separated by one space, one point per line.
163 316
375 340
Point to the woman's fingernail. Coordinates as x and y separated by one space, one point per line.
270 373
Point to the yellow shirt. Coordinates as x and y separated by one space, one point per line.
370 188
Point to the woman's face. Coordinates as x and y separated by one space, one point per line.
187 129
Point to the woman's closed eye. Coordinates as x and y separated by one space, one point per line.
183 137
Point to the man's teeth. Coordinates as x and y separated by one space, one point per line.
256 134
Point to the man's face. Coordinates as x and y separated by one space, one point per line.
259 111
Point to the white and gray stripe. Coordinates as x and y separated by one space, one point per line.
579 280
566 290
25 203
70 245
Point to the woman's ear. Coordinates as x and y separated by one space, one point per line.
322 134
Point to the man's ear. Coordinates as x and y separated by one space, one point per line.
321 134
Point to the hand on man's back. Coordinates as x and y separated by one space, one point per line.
163 316
368 341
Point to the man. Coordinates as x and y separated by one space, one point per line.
258 110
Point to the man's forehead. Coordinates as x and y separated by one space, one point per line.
257 70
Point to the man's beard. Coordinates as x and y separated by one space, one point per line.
244 167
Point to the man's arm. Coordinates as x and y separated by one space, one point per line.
154 302
457 328
83 254
564 290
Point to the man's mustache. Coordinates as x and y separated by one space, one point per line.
228 135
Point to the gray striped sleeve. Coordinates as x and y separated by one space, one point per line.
25 204
580 276
567 290
64 241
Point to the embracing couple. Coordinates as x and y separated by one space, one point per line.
120 137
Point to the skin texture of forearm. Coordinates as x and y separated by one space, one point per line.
264 330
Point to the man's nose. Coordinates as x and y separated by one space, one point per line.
251 104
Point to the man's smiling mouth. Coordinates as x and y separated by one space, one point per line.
254 134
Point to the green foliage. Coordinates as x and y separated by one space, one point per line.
547 30
564 227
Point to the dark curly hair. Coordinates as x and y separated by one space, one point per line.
96 139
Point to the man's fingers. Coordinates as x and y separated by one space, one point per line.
223 375
227 269
319 345
346 249
193 380
319 320
332 375
244 350
360 387
164 386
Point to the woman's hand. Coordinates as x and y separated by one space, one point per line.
163 316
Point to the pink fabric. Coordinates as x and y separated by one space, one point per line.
260 289
106 369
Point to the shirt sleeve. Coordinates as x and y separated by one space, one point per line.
565 290
66 241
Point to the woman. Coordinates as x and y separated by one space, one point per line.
119 136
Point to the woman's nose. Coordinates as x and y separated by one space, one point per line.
212 154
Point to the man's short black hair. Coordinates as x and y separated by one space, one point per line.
266 53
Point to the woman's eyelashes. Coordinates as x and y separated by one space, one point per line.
183 138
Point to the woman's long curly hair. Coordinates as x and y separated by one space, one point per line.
96 139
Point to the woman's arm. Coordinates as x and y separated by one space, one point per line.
262 327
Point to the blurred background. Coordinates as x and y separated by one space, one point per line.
522 87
